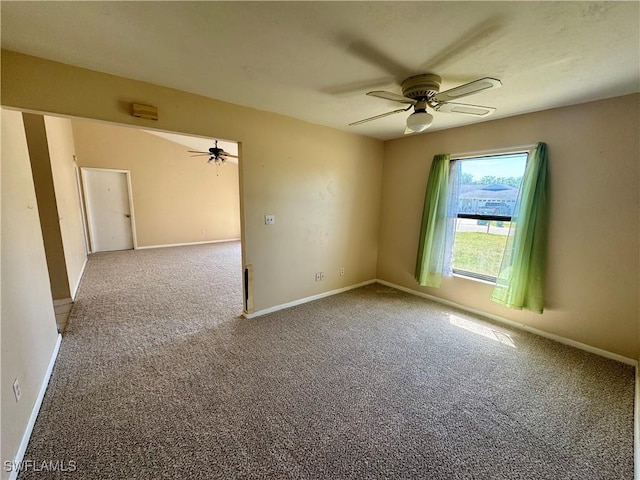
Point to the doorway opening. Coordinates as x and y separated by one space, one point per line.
123 187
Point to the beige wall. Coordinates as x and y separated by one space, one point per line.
323 185
28 321
594 245
176 198
45 193
61 153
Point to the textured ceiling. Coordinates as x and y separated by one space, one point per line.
315 60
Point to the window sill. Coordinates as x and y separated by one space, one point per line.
474 279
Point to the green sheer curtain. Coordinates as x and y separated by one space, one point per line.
520 283
431 252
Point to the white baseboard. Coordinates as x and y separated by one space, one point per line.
636 429
36 409
75 287
520 326
188 243
305 300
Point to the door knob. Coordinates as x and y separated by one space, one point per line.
127 215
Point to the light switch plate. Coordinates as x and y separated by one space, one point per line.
269 219
17 392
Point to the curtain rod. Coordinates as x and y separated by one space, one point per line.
495 151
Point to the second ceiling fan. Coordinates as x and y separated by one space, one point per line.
215 154
422 91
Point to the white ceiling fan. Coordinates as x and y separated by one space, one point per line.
422 91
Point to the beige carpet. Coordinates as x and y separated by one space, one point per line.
159 377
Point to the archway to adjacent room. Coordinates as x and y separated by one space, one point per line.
175 199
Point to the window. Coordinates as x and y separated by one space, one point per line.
447 207
485 190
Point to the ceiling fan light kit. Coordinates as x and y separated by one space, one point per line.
422 91
419 121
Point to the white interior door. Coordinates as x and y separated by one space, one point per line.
108 209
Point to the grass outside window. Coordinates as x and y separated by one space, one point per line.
479 246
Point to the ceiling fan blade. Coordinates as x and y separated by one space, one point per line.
200 155
197 151
379 116
474 110
468 89
391 96
225 154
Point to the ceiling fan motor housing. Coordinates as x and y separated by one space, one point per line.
421 87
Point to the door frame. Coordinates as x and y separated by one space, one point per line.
83 209
129 193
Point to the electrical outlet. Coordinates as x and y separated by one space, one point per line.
341 271
321 275
269 219
16 390
318 277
